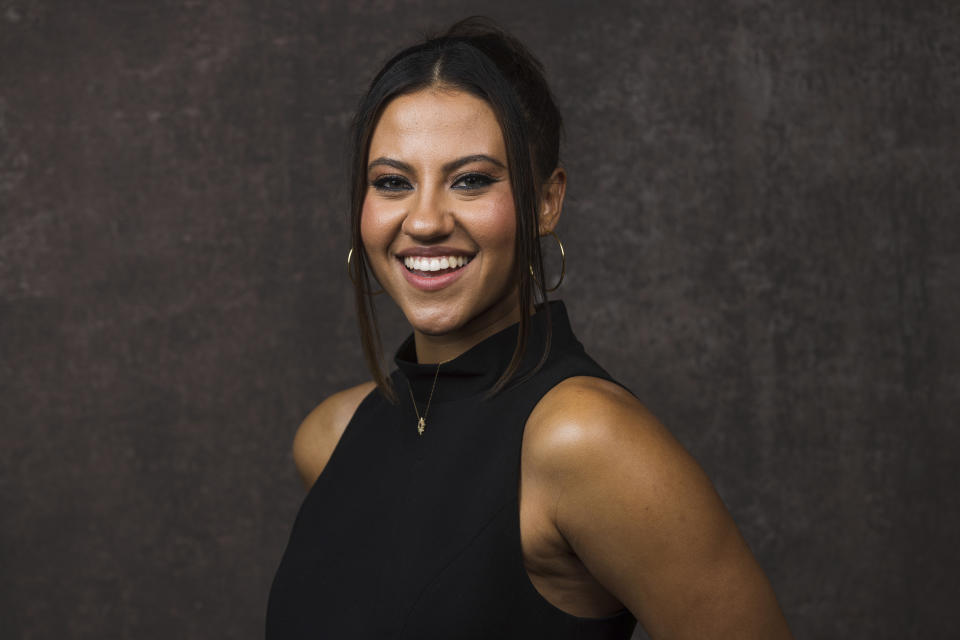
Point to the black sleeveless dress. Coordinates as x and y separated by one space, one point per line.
418 536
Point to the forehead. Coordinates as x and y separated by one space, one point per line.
435 124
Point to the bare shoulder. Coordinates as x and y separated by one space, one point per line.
320 431
589 437
586 417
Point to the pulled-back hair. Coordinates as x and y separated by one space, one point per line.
477 57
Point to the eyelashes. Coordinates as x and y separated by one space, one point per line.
391 183
473 181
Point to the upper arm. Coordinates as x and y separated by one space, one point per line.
320 431
644 519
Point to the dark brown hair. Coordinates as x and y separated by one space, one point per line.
475 56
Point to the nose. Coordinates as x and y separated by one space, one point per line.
428 218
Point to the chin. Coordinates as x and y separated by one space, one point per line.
434 323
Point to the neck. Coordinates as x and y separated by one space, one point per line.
441 348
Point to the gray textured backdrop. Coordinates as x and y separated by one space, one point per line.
763 244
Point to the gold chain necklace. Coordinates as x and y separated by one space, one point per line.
422 420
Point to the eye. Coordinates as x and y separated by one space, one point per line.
391 183
472 181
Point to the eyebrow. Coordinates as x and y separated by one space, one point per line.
453 165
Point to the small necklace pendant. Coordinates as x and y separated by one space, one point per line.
421 425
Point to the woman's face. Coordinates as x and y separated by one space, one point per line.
438 220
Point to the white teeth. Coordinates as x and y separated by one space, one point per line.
416 263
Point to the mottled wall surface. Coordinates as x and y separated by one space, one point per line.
763 244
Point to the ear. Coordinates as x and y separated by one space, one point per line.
551 203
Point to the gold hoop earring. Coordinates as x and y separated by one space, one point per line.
350 274
563 264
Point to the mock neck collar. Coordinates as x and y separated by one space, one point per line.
476 370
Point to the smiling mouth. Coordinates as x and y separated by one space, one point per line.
433 267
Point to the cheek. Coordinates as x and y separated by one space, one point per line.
499 224
373 227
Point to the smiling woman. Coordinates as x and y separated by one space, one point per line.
440 191
519 491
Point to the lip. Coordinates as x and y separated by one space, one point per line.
432 283
434 251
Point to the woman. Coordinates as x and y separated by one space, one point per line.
498 483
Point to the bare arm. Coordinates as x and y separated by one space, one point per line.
645 520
